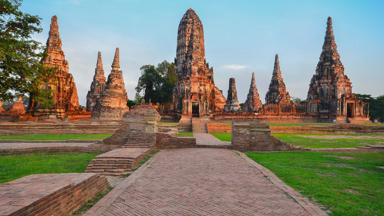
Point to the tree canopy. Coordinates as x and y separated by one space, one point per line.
156 84
20 55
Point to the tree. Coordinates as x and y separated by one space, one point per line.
20 67
157 83
376 106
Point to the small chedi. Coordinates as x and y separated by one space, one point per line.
97 86
277 92
61 85
112 103
232 104
195 93
18 107
330 91
253 102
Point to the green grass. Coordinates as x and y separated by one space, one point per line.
185 134
53 137
319 141
287 124
223 136
346 183
16 166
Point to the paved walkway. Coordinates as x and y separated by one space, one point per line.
202 182
209 140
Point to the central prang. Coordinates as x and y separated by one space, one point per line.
195 93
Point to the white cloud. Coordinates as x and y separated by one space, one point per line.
234 67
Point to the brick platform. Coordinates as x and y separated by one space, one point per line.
49 194
117 162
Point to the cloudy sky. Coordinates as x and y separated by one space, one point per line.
241 37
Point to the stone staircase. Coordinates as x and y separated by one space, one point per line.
117 162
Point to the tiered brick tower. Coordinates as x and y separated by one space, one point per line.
253 102
277 92
232 104
330 91
61 84
113 102
195 92
97 86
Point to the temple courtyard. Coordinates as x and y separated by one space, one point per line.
332 171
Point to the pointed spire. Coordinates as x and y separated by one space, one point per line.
54 40
329 41
253 102
277 91
276 68
99 64
116 59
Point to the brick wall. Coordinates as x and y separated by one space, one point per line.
255 136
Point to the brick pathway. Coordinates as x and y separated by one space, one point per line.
208 140
202 182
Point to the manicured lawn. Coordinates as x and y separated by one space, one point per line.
332 141
300 124
223 136
346 183
185 134
16 166
58 137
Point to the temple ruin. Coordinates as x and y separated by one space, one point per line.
253 102
195 93
330 91
277 92
97 86
232 104
61 85
112 103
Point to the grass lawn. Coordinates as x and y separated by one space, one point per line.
223 136
55 137
346 183
285 124
333 141
185 134
16 166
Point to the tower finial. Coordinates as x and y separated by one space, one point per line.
99 64
276 69
116 59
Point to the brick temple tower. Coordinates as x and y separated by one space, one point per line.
277 92
112 104
195 93
61 84
253 102
330 91
97 86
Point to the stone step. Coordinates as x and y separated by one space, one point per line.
117 162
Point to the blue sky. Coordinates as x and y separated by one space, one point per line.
241 37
